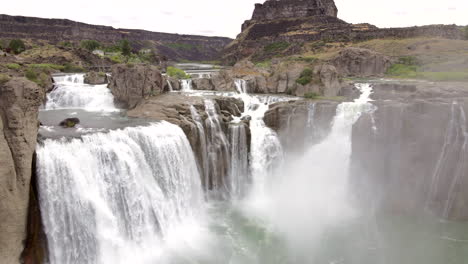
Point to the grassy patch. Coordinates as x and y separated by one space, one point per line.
264 64
70 68
4 78
13 66
48 66
311 95
306 77
177 73
276 47
402 70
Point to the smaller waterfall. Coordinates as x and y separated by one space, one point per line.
186 85
71 93
169 84
218 149
241 86
239 173
203 146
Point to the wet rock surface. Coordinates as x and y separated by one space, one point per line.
19 104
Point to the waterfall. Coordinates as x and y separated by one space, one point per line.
186 85
265 152
203 146
313 186
239 172
119 197
169 84
218 149
71 92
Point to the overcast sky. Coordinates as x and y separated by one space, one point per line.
224 17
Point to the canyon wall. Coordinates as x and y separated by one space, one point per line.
58 30
19 104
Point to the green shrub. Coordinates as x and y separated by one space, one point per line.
17 46
117 58
31 75
13 66
264 64
312 95
306 77
125 47
408 60
276 47
466 32
4 78
90 45
67 44
177 73
70 68
402 70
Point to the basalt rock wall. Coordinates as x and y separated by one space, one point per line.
57 30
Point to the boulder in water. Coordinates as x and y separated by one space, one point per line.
70 122
95 78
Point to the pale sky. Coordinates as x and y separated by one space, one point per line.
224 17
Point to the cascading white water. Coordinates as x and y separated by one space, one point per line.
218 149
71 93
203 146
239 171
126 196
265 152
186 85
169 84
310 192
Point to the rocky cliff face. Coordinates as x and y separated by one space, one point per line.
299 21
57 30
275 9
19 103
130 84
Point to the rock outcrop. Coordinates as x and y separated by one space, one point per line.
172 46
130 84
302 123
19 104
360 62
95 78
276 9
281 78
282 28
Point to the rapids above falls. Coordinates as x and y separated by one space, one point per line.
124 190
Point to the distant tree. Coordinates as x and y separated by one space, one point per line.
126 48
90 45
17 46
